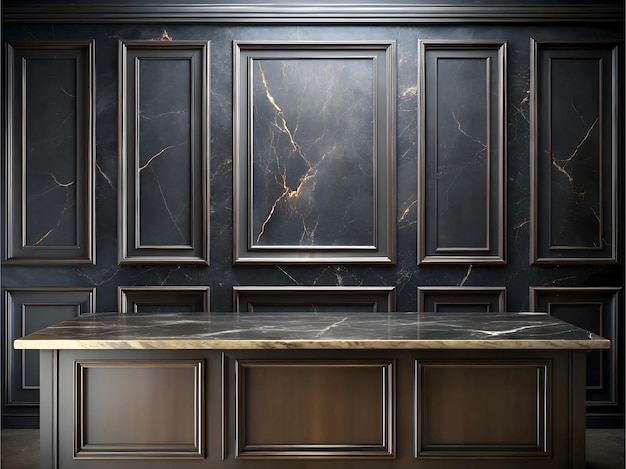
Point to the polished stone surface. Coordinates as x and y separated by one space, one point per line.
313 331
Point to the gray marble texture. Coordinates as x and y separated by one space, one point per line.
313 331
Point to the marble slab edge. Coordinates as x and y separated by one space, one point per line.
593 342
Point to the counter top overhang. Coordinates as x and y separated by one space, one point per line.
312 331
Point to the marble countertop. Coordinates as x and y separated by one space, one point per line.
359 331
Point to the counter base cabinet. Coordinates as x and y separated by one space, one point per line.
326 409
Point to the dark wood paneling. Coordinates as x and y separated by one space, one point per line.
462 156
28 310
118 414
50 152
163 213
163 299
314 152
596 310
318 409
314 299
477 395
574 152
470 299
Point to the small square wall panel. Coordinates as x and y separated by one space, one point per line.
596 310
164 125
314 299
462 152
314 152
163 299
50 128
574 152
462 299
28 310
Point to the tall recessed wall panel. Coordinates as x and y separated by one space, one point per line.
574 152
50 152
461 183
163 212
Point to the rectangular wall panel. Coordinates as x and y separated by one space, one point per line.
163 213
314 409
50 152
167 424
596 310
27 310
163 299
459 299
314 299
314 168
479 394
574 152
462 162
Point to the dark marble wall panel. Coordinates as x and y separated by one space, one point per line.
162 299
462 153
595 309
223 273
28 310
468 299
163 205
314 299
314 154
575 152
50 143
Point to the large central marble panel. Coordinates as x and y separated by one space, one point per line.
312 152
314 166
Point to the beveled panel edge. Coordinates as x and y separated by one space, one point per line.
277 451
10 351
196 450
204 155
613 349
124 291
544 402
499 258
452 290
535 45
89 162
239 291
271 255
396 13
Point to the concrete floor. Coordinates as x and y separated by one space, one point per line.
605 449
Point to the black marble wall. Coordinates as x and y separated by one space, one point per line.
134 168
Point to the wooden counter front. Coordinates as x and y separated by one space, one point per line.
328 390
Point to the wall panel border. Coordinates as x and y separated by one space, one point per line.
357 423
454 151
289 178
442 384
163 298
574 152
439 299
597 310
26 311
164 153
113 388
50 152
374 299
